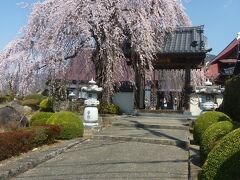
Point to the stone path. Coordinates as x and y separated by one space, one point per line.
114 160
133 148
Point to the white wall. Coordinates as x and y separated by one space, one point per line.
125 100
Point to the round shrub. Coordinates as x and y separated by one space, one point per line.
204 121
44 134
212 135
108 109
71 125
46 105
40 118
223 162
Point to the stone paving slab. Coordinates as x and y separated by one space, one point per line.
114 160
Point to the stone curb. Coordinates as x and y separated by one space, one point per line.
182 144
194 162
18 166
160 126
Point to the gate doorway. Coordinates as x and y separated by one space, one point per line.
157 98
169 100
183 51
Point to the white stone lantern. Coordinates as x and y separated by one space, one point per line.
72 95
206 98
90 114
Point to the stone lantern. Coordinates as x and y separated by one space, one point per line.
209 96
90 114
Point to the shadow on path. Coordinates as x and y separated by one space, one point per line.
156 133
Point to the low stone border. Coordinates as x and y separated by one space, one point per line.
12 167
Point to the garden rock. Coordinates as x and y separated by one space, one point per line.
25 110
9 114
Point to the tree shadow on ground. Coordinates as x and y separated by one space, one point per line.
156 133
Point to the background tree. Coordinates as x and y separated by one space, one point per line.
58 30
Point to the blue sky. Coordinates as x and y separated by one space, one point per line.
12 18
220 17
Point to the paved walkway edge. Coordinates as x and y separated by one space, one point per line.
194 162
23 165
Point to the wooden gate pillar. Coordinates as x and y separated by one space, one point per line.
187 87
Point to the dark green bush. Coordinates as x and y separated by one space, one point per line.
44 134
108 109
232 98
212 135
40 118
53 132
6 98
16 142
35 96
223 162
71 125
46 105
204 121
33 100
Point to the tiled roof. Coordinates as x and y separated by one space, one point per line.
186 40
228 61
228 50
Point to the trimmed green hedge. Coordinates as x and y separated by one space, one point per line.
204 121
108 109
40 118
71 125
212 135
232 98
223 162
46 105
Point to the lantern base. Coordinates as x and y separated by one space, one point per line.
86 124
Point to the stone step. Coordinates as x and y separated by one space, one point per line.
154 126
152 122
178 143
170 114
